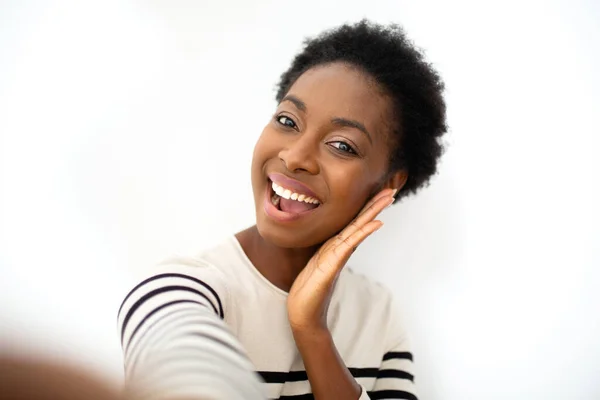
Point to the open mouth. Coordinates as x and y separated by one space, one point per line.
291 202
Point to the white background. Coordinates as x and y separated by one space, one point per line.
126 134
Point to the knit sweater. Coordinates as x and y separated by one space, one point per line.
195 326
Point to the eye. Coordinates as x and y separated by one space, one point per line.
343 147
286 121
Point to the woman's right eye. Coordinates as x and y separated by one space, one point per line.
286 121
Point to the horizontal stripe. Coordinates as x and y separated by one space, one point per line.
297 376
363 372
282 377
156 292
405 355
157 309
394 373
171 379
206 334
221 341
374 395
186 355
157 327
212 332
306 396
173 275
391 394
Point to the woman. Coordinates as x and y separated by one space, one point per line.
357 127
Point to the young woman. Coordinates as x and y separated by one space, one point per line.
357 126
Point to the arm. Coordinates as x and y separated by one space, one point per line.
174 341
309 298
329 378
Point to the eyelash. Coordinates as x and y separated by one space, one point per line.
278 120
351 150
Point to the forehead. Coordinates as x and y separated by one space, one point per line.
343 91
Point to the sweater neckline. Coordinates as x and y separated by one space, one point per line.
236 244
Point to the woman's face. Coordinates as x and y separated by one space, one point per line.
328 140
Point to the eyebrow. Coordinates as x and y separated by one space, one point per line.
344 122
300 105
352 124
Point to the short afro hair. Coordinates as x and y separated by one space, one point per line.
416 89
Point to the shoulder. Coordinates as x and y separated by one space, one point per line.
216 262
182 278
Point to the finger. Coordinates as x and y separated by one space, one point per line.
382 193
344 247
332 261
363 224
376 207
367 216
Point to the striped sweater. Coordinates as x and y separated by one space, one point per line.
196 327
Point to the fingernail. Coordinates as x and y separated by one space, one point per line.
394 192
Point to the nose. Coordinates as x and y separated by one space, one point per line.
301 155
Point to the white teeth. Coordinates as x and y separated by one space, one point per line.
288 194
310 200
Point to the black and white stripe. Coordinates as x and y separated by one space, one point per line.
175 343
392 380
395 379
372 395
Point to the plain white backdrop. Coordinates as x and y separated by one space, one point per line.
126 134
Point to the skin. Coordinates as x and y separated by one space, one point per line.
36 379
26 378
348 170
304 257
309 153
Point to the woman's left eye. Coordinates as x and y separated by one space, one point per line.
344 147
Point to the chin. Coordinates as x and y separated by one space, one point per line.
286 237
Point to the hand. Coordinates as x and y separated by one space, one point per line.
310 295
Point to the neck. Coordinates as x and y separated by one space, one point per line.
281 266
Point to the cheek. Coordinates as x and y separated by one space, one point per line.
265 145
259 154
350 189
348 197
265 150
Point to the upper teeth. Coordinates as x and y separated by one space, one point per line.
288 194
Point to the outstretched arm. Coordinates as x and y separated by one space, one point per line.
175 343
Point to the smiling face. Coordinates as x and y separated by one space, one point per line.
328 142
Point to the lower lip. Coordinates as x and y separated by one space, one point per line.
279 215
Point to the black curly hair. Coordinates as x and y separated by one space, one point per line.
416 90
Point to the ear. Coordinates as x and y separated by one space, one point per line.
397 180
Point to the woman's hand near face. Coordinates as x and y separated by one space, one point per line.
310 295
309 299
